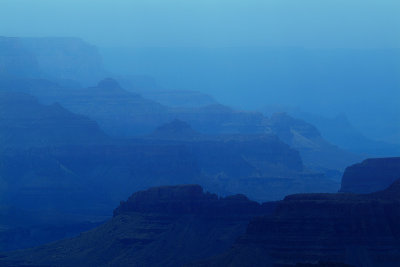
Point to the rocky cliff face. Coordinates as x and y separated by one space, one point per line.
371 175
163 226
59 59
360 230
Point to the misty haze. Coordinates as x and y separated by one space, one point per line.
200 133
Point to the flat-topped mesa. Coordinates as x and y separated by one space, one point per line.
187 199
371 175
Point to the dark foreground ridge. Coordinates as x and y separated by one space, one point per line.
371 175
188 199
359 230
184 226
162 226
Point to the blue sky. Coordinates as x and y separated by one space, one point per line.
211 23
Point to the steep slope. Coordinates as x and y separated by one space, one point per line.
164 226
24 122
370 175
315 151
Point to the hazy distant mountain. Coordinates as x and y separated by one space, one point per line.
149 88
24 122
71 61
315 151
66 60
124 114
120 113
338 130
174 98
363 83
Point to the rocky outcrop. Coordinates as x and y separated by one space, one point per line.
371 175
360 230
163 226
187 199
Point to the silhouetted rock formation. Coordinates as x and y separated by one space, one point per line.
186 200
371 175
163 226
360 230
